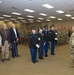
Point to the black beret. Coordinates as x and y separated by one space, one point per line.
33 28
46 26
52 26
40 27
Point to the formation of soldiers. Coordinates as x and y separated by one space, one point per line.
41 41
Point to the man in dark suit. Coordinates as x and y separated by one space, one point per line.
5 43
14 38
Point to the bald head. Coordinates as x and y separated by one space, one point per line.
73 28
13 26
4 26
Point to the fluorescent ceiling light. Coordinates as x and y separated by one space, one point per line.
6 15
38 21
72 17
30 16
47 6
43 14
59 19
28 10
15 13
16 21
20 17
1 17
60 11
0 1
23 20
48 20
68 15
52 17
41 18
12 19
6 20
30 19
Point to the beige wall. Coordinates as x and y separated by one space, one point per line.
25 28
59 24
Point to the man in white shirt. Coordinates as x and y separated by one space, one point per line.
14 38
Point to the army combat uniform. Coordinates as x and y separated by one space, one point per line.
72 47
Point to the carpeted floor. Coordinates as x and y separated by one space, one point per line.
52 65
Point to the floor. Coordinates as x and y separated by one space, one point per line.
52 65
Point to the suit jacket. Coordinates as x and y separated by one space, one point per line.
12 35
3 35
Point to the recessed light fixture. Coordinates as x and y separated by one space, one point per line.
43 14
52 17
47 6
23 20
6 20
12 19
48 20
20 17
30 16
15 13
59 19
41 18
28 10
68 15
60 11
30 19
16 21
1 17
0 1
72 17
6 15
38 21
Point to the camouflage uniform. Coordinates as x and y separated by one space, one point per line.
62 37
72 47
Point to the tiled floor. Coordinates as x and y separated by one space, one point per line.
52 65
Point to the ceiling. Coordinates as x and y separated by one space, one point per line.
9 6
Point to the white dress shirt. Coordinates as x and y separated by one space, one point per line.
15 32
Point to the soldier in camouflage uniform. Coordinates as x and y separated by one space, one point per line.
72 47
62 37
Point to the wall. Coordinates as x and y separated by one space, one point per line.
59 24
25 28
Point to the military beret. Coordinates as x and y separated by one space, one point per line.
40 27
52 26
33 28
46 26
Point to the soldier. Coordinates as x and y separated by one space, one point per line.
40 42
46 40
53 38
72 47
33 44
